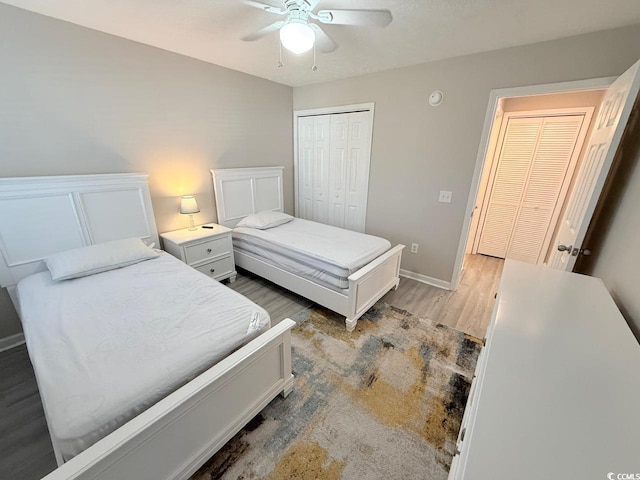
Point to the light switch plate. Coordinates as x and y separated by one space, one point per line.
445 196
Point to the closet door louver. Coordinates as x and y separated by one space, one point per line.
515 158
548 172
532 168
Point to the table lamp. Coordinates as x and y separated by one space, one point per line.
189 206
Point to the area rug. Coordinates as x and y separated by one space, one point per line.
383 402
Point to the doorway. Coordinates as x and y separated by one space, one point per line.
620 95
526 98
528 172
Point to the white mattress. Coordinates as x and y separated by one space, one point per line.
108 346
323 253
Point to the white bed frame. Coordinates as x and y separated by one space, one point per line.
40 216
242 191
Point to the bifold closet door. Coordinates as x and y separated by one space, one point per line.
313 164
333 168
535 164
349 170
305 163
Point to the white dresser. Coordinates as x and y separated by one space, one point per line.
557 387
208 250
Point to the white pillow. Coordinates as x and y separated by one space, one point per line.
83 261
264 220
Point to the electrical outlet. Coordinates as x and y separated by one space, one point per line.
445 196
414 248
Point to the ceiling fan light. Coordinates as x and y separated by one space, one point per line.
297 37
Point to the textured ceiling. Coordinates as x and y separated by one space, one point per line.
421 30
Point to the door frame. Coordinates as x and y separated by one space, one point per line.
312 112
494 97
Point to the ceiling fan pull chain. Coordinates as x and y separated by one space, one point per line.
280 64
314 67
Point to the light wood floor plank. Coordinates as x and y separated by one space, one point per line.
277 301
467 309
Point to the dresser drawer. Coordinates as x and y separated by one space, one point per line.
217 268
210 249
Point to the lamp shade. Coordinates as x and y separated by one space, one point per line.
297 36
188 205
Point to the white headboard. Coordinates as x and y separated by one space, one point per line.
242 191
40 216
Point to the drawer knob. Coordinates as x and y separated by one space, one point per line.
212 270
208 250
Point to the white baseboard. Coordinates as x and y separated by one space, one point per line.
436 282
11 341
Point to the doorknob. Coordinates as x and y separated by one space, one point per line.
564 248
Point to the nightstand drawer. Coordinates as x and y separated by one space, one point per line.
217 268
210 249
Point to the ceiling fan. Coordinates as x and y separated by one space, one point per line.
298 32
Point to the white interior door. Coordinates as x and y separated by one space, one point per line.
549 177
516 154
305 162
601 150
338 169
320 168
536 161
332 168
357 171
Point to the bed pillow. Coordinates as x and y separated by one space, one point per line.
264 220
84 261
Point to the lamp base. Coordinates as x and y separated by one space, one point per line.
192 225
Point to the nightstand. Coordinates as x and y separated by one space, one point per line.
209 251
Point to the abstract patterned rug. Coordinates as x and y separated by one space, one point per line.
384 402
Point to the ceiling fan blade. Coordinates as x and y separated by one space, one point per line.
324 43
263 31
312 3
265 7
363 18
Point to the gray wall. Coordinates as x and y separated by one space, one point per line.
73 100
419 150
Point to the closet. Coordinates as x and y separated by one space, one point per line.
530 179
333 168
